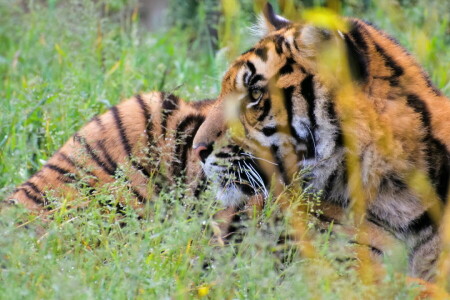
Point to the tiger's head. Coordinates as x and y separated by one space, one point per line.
274 114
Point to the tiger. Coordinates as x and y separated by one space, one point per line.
146 139
277 108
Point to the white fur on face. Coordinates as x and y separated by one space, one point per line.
230 195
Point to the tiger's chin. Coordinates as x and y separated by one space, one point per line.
235 181
231 196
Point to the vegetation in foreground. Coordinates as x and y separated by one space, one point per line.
62 63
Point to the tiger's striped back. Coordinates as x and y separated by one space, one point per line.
147 138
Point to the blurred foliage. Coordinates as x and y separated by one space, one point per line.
62 62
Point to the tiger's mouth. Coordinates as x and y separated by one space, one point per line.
235 175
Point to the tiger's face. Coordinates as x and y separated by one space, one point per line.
266 119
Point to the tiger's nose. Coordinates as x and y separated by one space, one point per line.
202 151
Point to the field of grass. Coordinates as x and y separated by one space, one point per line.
63 62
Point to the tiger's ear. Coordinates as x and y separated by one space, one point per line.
269 21
273 21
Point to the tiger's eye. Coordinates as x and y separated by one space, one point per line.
256 94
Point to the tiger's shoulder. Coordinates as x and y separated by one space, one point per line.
398 76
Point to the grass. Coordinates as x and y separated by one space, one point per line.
62 63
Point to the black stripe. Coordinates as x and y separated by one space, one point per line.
68 160
66 175
357 59
334 120
296 38
98 121
265 110
278 41
251 78
280 164
255 78
430 84
168 106
308 93
392 182
223 154
390 63
144 108
287 95
419 107
415 226
337 178
421 243
322 218
109 160
57 169
184 138
342 260
287 68
251 68
437 155
33 187
357 37
288 106
331 182
235 226
246 189
288 46
170 102
268 131
443 175
234 148
424 221
38 200
148 128
92 154
121 129
262 53
138 195
73 164
141 168
371 217
375 250
438 160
